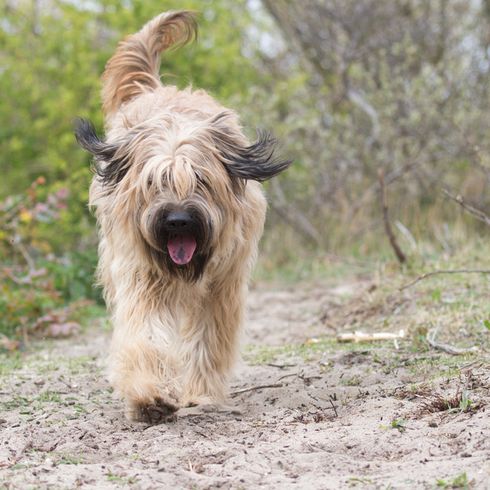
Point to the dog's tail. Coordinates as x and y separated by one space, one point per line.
135 65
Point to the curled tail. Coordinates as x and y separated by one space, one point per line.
136 62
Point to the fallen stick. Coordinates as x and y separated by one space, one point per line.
280 366
334 408
258 387
330 400
369 337
448 349
435 273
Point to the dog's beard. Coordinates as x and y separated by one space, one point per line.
183 254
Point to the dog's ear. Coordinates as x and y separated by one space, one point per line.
110 166
87 138
257 161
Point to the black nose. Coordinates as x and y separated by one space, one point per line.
178 221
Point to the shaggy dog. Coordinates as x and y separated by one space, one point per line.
180 210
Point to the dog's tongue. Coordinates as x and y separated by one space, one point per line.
181 248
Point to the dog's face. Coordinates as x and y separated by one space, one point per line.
178 185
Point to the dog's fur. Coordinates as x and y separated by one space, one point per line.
169 151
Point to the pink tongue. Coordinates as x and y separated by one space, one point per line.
181 248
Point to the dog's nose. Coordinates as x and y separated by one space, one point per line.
178 221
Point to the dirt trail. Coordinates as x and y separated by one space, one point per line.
334 417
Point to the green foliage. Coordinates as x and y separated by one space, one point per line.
35 282
21 305
72 275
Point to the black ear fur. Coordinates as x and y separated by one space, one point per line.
255 162
107 165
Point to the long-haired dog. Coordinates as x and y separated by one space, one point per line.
180 209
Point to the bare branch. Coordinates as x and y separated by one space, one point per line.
389 231
359 101
390 178
477 213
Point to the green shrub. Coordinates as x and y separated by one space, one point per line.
37 286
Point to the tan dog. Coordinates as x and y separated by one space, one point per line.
180 212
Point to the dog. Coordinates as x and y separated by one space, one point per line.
180 210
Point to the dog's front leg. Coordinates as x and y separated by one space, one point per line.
211 344
140 373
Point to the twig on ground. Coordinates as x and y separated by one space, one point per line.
330 400
287 376
280 366
334 408
434 273
258 387
389 231
307 379
475 212
448 349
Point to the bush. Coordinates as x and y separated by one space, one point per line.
37 284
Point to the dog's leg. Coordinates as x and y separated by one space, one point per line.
211 343
140 374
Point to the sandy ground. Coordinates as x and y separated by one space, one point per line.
331 417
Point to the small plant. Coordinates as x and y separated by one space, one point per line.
68 459
399 424
460 481
355 481
49 397
465 403
436 295
131 480
419 339
352 381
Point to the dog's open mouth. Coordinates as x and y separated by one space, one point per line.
181 247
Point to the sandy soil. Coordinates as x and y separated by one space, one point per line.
331 417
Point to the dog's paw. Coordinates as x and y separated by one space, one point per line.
157 411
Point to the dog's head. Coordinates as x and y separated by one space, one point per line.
178 183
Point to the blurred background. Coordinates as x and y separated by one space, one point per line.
351 88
